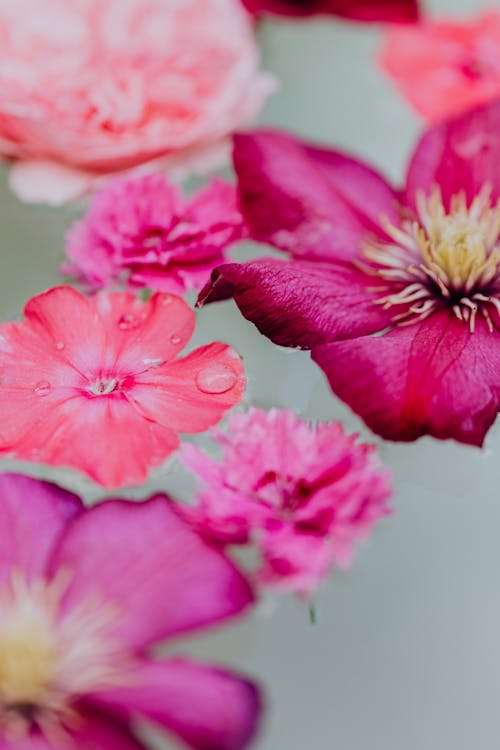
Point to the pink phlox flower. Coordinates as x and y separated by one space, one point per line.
95 384
418 266
355 10
142 232
85 597
445 66
305 496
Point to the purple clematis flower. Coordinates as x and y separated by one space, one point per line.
84 596
418 267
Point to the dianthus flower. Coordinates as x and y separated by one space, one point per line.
419 267
85 595
356 10
91 87
445 66
305 496
94 384
142 232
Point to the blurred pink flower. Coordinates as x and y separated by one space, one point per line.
94 384
446 66
89 87
85 595
356 10
396 291
142 231
304 495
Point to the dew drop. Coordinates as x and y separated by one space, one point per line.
175 339
127 322
60 346
42 388
152 361
216 379
166 299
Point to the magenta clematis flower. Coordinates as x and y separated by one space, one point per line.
94 384
85 595
445 66
142 231
356 10
304 496
420 267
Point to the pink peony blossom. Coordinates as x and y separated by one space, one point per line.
142 231
420 267
85 595
444 67
305 496
94 384
356 10
89 87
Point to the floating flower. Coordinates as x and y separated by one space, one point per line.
305 496
142 231
420 267
357 10
444 67
85 595
94 384
90 87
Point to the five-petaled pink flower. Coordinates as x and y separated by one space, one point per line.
305 496
85 595
92 87
143 232
356 10
94 384
444 67
420 267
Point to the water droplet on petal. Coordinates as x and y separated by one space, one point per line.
152 361
166 299
216 378
60 346
175 339
127 321
42 388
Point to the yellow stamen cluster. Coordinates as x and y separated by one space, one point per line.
443 259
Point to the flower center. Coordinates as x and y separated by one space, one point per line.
47 659
443 259
103 387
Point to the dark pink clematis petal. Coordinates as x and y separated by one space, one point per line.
299 303
308 201
431 378
208 708
357 10
165 579
460 155
33 514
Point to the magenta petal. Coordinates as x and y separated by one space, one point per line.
32 516
430 378
358 10
308 201
299 303
208 708
143 557
461 154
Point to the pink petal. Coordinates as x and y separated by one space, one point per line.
50 182
359 10
148 561
308 201
32 516
299 303
462 154
432 378
208 708
193 393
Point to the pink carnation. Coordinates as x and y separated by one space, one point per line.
96 384
305 496
90 87
142 231
85 595
446 66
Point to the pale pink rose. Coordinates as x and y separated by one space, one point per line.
89 87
